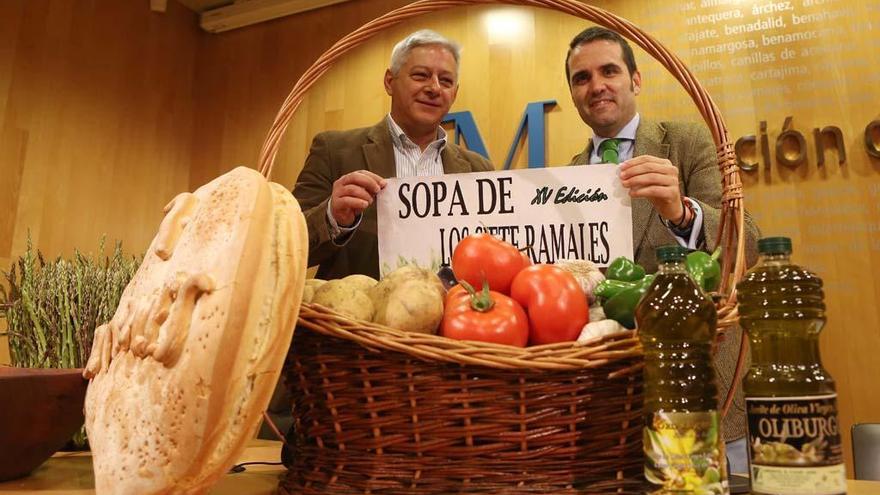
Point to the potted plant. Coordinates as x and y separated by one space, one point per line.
51 309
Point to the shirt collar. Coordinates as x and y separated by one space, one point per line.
628 132
399 138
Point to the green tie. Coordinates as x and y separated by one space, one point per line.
608 150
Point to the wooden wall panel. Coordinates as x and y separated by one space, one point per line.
98 110
96 120
244 75
4 347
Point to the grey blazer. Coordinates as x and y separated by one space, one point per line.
690 147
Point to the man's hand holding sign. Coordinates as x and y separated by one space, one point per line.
352 194
655 179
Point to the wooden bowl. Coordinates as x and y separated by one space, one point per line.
41 409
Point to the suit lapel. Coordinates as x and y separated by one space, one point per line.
453 162
379 152
584 157
649 141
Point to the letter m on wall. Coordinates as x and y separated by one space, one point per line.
531 124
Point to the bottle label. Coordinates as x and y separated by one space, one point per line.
684 453
795 445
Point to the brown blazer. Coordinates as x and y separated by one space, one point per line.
336 153
690 147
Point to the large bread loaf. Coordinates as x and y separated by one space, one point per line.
182 373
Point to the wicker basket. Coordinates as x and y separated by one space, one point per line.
378 410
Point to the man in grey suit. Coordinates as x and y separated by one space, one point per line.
346 169
670 171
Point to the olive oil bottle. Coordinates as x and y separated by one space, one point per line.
791 400
684 448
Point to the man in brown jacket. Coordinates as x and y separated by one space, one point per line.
346 169
670 171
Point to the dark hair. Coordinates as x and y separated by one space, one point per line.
599 33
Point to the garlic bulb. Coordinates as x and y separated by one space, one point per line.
586 273
595 329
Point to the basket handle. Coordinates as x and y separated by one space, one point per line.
732 212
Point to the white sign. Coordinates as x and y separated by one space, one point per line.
577 212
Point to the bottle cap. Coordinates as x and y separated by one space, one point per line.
671 253
774 245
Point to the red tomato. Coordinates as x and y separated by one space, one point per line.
482 257
487 316
457 291
556 303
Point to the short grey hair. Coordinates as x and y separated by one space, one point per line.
421 38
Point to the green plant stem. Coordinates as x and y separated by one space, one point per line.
52 308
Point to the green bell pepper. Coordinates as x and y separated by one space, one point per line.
621 306
623 268
608 288
705 269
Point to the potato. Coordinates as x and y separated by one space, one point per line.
315 282
310 287
413 306
380 292
345 298
361 282
308 293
